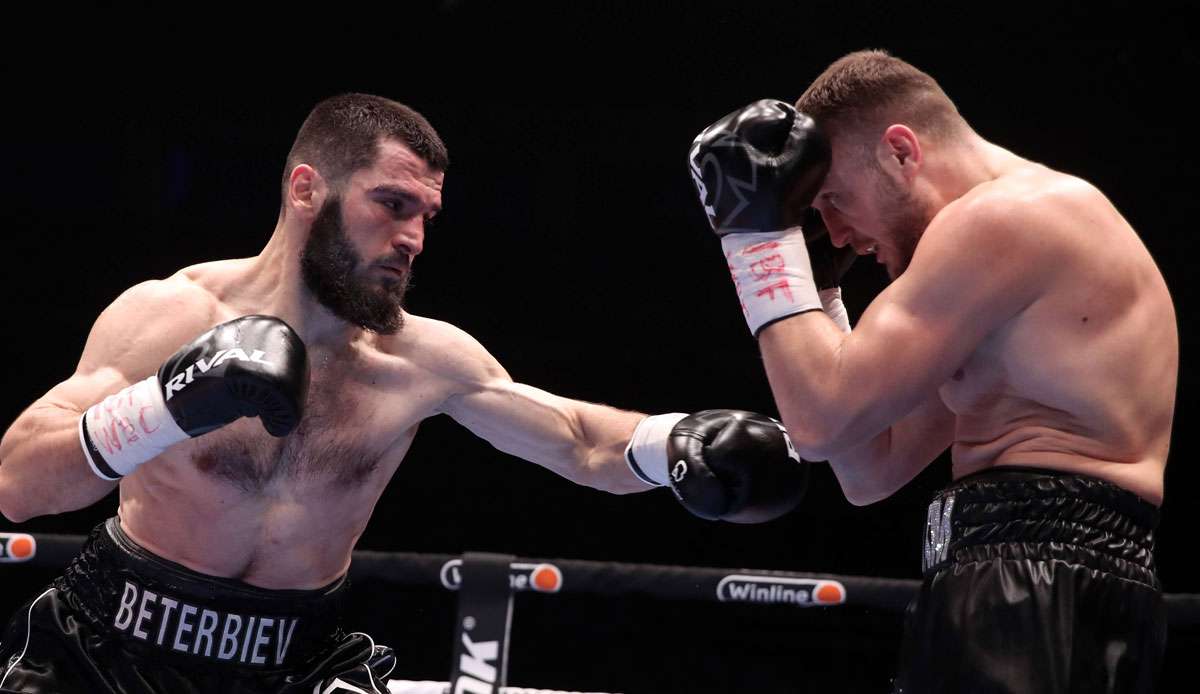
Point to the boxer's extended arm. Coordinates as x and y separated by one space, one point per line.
42 466
721 464
582 441
846 397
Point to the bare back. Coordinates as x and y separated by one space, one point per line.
1083 378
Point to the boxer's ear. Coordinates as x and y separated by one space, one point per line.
306 191
899 151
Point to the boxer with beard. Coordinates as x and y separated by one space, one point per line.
250 460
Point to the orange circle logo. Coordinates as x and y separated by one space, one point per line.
19 546
546 578
831 594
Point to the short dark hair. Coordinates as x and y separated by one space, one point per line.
341 135
860 91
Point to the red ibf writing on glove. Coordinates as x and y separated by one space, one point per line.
767 272
121 420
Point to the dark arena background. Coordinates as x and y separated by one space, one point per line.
572 246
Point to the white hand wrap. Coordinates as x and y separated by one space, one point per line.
647 449
831 303
126 429
772 274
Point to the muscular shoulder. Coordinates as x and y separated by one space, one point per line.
994 251
149 321
447 352
1031 222
178 292
1031 204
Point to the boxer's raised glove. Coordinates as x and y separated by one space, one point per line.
754 169
829 264
728 465
253 366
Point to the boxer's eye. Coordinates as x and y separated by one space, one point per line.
398 208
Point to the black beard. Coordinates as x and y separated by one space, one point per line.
330 266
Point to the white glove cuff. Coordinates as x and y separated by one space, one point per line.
647 449
126 429
772 274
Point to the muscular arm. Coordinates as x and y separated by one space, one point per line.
867 401
42 466
874 470
584 442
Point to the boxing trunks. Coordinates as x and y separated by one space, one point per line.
1035 582
122 620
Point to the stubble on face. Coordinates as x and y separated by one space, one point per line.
903 219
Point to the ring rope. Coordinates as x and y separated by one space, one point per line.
664 582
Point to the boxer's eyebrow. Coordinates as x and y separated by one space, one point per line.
397 191
405 195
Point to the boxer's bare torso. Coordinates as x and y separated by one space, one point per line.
286 512
239 503
1031 328
1082 378
283 512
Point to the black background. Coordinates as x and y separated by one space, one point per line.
572 247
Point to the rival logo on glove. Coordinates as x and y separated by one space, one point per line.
739 187
181 381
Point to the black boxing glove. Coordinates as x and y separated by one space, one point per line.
829 264
728 465
756 165
753 169
253 366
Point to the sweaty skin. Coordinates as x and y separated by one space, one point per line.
1026 325
285 513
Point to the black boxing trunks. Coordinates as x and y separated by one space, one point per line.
122 620
1035 582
